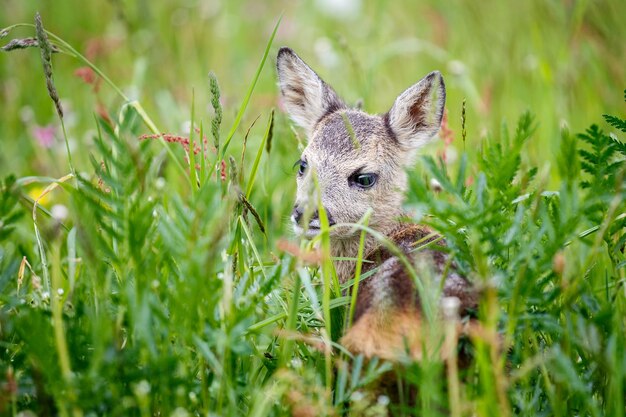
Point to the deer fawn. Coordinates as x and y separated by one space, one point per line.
360 160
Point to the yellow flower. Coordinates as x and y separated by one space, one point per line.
35 192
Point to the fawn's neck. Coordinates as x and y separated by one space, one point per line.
349 249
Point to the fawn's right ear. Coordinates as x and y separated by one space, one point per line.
306 97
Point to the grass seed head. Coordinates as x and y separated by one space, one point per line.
46 60
24 43
217 107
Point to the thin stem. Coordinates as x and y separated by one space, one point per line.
357 273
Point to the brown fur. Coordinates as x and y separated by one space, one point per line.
400 313
386 334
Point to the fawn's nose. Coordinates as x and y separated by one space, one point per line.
314 222
296 215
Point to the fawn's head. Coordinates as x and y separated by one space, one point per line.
358 160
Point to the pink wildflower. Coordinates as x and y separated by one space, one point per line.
223 170
88 76
44 135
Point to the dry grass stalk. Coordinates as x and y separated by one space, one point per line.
251 209
310 257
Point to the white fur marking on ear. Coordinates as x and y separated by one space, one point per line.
306 97
415 116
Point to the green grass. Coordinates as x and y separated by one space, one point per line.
138 285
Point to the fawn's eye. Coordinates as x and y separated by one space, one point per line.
363 180
302 165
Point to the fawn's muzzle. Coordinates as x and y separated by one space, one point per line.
297 217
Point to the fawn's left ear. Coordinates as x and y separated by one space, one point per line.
415 116
306 97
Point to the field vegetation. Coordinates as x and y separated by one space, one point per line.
147 265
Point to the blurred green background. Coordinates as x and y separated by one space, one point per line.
562 60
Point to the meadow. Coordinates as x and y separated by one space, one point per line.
147 264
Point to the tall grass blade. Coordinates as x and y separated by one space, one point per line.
246 98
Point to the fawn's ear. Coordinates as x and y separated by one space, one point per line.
415 116
306 97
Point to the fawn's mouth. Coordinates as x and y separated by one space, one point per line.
312 230
309 233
